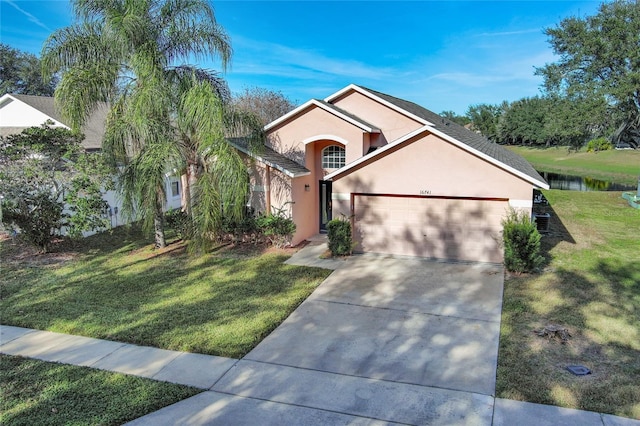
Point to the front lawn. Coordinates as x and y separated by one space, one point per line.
621 166
45 393
591 286
116 287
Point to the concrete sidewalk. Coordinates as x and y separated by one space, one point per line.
285 395
200 371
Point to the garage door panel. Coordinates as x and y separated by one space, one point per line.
456 229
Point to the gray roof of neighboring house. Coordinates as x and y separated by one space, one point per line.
93 129
466 136
270 157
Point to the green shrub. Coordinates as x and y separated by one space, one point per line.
38 217
178 220
277 228
248 224
521 243
599 144
340 242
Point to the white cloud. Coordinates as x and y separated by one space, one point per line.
259 57
510 33
27 14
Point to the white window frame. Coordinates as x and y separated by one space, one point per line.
175 193
333 157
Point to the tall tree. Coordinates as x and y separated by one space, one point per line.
600 57
522 123
20 73
485 119
267 105
128 53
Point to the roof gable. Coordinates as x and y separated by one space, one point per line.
93 129
332 109
30 106
466 139
44 104
374 95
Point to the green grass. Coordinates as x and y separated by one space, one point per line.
622 166
118 288
44 393
591 285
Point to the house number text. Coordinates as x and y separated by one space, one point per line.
425 192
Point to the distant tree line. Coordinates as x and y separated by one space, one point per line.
592 91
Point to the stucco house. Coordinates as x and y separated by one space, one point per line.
410 181
19 112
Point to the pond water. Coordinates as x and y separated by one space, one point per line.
580 183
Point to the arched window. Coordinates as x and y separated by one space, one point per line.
333 157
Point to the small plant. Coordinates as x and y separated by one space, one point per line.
521 243
179 221
277 228
599 144
243 230
340 242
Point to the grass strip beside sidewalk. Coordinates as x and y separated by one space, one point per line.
44 393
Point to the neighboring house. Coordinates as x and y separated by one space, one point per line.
411 182
19 112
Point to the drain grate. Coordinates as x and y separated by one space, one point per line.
578 370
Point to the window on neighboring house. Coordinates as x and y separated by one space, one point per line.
333 157
175 188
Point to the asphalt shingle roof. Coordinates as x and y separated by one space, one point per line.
464 135
348 114
93 129
270 157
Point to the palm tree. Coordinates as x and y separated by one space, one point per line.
127 53
217 181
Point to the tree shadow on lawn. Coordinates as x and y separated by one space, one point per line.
556 234
601 309
220 304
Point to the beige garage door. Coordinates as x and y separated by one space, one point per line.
442 228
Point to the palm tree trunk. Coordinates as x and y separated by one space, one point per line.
158 223
192 180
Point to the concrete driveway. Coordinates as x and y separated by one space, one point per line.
401 320
382 340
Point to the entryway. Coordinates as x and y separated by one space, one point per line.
325 204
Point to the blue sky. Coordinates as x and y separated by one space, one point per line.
442 55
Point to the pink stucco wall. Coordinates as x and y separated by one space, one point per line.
288 138
287 196
429 165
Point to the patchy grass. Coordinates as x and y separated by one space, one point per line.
622 166
117 287
591 285
44 393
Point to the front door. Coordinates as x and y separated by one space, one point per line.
325 204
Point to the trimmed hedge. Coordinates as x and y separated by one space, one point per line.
340 242
521 243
